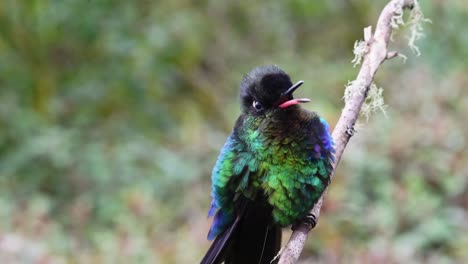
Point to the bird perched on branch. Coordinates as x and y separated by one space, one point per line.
271 171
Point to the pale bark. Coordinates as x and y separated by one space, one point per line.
377 53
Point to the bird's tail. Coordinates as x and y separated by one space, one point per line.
250 239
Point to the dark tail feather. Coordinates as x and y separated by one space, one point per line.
257 241
215 254
249 240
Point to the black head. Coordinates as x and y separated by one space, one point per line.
266 88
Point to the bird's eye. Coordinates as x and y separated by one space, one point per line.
257 105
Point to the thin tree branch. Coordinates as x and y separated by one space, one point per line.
376 53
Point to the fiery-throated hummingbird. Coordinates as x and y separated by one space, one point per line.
273 168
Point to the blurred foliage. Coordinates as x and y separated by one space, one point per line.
112 114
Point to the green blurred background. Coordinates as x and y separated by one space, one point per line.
112 114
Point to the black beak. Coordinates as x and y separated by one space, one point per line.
286 97
291 90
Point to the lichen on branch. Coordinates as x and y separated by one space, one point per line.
362 95
416 22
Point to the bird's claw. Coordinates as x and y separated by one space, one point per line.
309 220
350 130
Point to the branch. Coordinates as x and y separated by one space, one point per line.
374 53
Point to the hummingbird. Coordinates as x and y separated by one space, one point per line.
273 168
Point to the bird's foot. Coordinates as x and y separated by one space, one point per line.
350 130
309 220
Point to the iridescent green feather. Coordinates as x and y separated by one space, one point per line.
291 169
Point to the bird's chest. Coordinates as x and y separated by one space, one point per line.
269 155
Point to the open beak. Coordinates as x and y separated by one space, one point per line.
288 94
